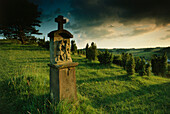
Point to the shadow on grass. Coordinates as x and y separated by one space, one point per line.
159 95
120 78
92 65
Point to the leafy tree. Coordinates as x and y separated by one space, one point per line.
117 60
164 64
105 58
92 52
154 64
148 69
19 19
137 62
125 57
87 47
73 47
130 66
142 71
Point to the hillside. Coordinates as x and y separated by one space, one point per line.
24 86
142 52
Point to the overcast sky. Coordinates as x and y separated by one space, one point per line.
110 23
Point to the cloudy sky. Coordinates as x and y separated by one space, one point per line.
110 23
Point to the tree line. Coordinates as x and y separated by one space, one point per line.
158 64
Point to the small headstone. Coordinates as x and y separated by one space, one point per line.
62 69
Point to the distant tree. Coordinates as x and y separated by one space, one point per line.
164 65
148 69
138 64
18 19
92 52
130 66
142 71
73 47
154 64
105 58
87 47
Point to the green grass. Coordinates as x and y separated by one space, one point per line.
24 86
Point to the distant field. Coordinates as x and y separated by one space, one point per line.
24 86
144 52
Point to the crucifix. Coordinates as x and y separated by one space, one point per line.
60 20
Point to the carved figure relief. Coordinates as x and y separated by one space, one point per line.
63 51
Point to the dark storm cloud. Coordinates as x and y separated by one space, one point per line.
51 8
46 17
124 11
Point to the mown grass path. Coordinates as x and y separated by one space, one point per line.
24 86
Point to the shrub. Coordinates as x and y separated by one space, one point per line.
125 57
105 58
87 47
159 64
148 69
73 47
92 52
138 64
117 60
130 66
142 70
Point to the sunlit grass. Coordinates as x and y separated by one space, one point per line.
24 86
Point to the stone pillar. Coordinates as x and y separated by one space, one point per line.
62 69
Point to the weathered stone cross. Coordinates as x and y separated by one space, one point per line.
60 20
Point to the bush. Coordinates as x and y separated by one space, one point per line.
92 52
159 65
142 70
125 57
130 66
105 58
148 69
117 60
73 47
138 64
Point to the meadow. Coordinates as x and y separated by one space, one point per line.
24 86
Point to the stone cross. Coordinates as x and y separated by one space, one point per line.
60 20
62 68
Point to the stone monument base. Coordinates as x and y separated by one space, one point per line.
63 81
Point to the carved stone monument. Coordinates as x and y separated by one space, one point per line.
62 69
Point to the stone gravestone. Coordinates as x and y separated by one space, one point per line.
62 69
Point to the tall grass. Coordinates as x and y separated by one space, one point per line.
24 86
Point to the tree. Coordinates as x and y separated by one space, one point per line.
19 19
105 58
92 52
148 69
73 47
137 62
164 64
117 60
154 64
125 57
159 64
130 66
87 47
142 71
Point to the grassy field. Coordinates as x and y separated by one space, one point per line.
24 86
